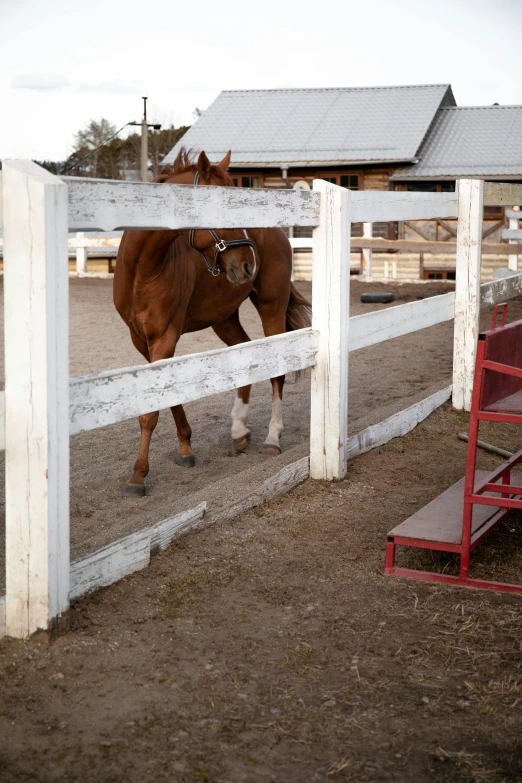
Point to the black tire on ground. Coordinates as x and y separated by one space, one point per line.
381 297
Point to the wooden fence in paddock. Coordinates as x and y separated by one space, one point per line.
43 407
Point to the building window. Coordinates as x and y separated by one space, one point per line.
350 181
431 187
245 182
249 182
440 274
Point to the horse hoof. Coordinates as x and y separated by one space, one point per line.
185 462
270 450
240 444
134 490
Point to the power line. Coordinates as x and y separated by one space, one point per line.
78 163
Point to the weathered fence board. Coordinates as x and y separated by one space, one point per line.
467 289
165 532
397 425
502 194
330 307
109 397
512 233
108 205
286 479
111 563
372 328
36 397
370 206
497 291
425 246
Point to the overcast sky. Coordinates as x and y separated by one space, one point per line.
64 62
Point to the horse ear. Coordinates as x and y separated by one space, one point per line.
204 167
225 163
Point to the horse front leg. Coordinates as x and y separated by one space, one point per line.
163 348
136 484
185 456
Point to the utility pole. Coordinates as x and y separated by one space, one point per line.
144 144
144 158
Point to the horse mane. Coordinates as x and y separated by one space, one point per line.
185 161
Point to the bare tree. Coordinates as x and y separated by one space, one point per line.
92 137
95 154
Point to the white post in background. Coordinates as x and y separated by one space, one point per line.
513 259
36 398
330 305
81 253
367 256
467 289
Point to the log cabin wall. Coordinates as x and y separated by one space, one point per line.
409 266
366 178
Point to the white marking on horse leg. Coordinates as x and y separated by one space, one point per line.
275 428
239 419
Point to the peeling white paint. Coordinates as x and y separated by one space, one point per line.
109 397
108 205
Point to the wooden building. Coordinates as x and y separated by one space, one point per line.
372 138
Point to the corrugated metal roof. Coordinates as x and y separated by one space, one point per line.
348 125
470 141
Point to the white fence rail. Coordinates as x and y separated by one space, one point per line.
114 396
107 205
42 407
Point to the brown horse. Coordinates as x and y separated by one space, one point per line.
162 289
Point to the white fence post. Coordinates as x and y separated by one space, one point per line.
513 259
367 253
330 303
467 289
36 398
81 253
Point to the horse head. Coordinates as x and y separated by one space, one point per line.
232 250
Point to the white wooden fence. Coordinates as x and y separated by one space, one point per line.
43 407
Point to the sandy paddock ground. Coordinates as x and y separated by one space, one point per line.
383 379
270 647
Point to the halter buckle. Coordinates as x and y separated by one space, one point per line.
221 245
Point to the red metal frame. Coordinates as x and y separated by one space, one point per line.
498 375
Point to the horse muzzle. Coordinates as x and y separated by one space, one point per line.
240 273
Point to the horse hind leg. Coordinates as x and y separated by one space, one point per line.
231 332
272 311
271 446
240 432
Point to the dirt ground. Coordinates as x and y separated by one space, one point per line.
272 648
383 380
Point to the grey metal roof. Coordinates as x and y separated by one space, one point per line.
306 127
470 141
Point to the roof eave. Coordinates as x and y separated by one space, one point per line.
452 177
315 163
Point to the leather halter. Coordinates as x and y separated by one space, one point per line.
220 246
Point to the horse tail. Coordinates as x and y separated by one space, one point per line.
298 312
